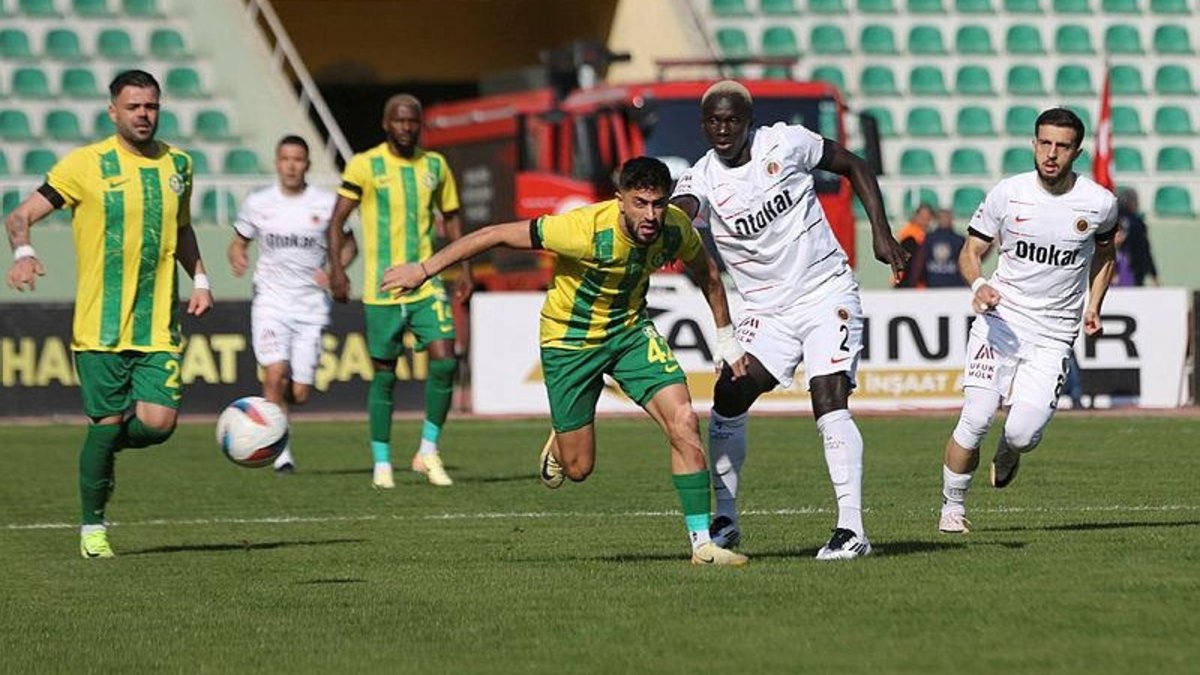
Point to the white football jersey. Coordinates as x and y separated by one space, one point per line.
1046 245
291 231
766 221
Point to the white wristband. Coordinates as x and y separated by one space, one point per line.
23 251
979 281
200 281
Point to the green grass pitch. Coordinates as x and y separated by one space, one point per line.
1089 563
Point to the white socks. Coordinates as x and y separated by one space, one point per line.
427 447
844 457
284 457
954 490
726 454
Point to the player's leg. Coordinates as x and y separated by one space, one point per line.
156 387
271 337
432 322
727 424
290 381
1036 387
385 331
574 379
105 383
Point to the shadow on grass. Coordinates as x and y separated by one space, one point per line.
1085 527
893 548
501 478
330 582
239 546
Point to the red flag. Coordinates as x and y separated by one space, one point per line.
1102 161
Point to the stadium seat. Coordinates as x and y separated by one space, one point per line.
1126 121
925 122
733 42
1121 6
91 9
38 162
1126 81
168 44
780 41
973 6
30 83
200 165
63 125
974 41
80 83
14 126
1173 40
1023 6
1073 39
788 7
878 40
169 128
1169 7
14 44
209 209
42 9
212 125
818 6
966 200
831 74
927 81
878 81
1019 121
1017 160
925 7
967 162
145 9
1023 39
184 82
1173 80
926 41
917 162
241 162
973 81
876 6
63 44
730 8
1083 164
1173 120
914 197
4 170
1128 160
974 120
11 198
102 126
1025 80
1083 114
1074 80
828 39
777 73
883 119
1122 39
1072 7
1173 201
1174 158
115 44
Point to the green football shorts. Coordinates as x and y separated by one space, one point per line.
111 381
429 320
638 358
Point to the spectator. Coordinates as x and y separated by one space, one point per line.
937 262
1123 276
912 237
1137 238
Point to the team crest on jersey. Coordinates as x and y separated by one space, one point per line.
649 332
843 314
773 168
430 181
176 183
1081 225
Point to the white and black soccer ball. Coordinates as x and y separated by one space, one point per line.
252 431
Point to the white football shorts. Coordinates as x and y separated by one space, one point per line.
277 336
1019 369
826 336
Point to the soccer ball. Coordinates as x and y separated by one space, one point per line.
252 431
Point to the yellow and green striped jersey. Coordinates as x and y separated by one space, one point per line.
128 210
600 278
397 199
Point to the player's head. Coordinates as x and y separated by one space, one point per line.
1057 143
643 189
402 117
133 106
1127 199
291 163
726 113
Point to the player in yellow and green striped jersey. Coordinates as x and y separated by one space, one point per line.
132 223
594 322
398 188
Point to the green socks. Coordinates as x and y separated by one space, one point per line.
439 392
695 491
379 412
96 475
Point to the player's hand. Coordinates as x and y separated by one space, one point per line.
463 288
321 278
729 352
1091 323
238 261
985 299
400 279
339 285
200 302
889 252
24 273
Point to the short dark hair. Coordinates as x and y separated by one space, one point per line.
133 78
644 173
1061 117
292 139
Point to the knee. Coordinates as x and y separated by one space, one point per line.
443 369
973 424
733 397
829 393
1022 435
300 394
578 468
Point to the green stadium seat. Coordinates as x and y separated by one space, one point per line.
1072 7
966 201
824 7
780 41
211 213
1073 39
925 7
14 44
80 83
878 81
11 200
31 83
4 172
914 197
1025 80
973 81
63 44
828 39
1122 39
102 126
144 9
917 162
730 8
1024 39
967 162
1083 164
925 122
733 42
1169 7
974 120
1173 120
1173 80
168 44
1126 121
241 162
1126 81
212 125
1084 116
1023 6
974 6
878 40
926 41
1017 160
973 41
927 81
1128 160
14 126
1172 39
876 6
63 125
1074 80
1019 121
184 82
831 74
1174 158
91 9
115 44
38 162
777 73
169 128
785 7
41 9
1120 7
883 119
200 165
1173 201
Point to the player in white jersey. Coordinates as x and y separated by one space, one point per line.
800 298
291 300
1055 233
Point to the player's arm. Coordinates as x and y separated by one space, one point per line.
1104 264
238 254
454 232
841 161
187 252
970 265
339 283
349 248
26 266
688 204
517 234
703 270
